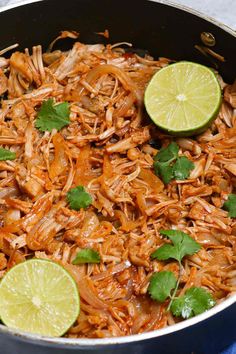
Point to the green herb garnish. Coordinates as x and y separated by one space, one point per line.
161 285
6 155
164 285
52 116
193 302
168 165
182 168
230 205
87 256
183 245
78 198
168 153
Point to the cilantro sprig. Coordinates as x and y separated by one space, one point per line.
52 116
6 155
183 245
161 285
230 205
193 302
87 255
78 198
169 165
164 285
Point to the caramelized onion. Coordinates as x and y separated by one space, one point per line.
111 271
125 80
88 294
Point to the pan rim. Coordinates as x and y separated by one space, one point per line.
100 342
170 3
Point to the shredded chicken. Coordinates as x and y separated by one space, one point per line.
107 149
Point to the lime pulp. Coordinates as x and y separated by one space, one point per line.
39 296
183 98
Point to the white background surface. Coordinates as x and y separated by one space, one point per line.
222 10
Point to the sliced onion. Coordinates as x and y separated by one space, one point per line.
60 161
125 80
126 105
11 216
8 192
111 271
88 294
77 272
90 224
139 322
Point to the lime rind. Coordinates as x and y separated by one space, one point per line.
30 284
194 115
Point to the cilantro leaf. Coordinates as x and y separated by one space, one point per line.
183 245
165 252
163 170
230 205
6 155
168 165
161 284
87 255
78 198
168 153
192 303
52 116
182 168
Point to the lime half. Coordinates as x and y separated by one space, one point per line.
39 296
183 98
